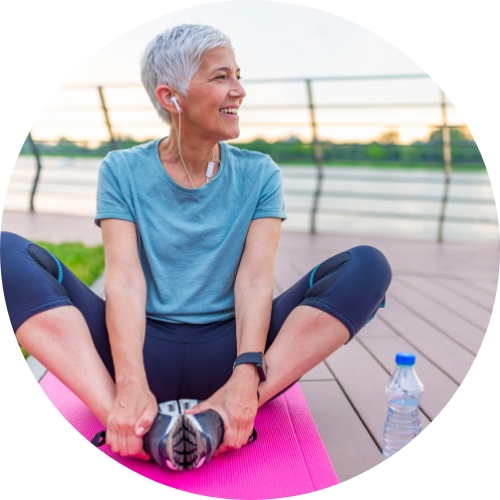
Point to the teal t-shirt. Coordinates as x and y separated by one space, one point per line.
190 241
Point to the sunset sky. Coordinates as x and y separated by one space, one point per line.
271 41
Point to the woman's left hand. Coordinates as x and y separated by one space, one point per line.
236 402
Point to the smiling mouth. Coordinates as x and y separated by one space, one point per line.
229 111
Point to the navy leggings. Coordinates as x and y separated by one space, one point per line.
187 360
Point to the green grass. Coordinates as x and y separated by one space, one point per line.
86 262
457 167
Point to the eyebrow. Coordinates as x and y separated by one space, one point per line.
225 68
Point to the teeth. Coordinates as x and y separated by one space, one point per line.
229 111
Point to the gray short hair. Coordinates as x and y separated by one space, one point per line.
174 56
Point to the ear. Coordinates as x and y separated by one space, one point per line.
163 95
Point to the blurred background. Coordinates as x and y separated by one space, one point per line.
367 142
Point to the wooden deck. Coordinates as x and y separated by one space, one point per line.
438 306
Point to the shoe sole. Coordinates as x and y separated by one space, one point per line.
195 444
175 445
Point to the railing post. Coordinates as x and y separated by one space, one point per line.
318 156
112 140
445 140
38 169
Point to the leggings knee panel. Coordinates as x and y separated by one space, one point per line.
351 286
46 260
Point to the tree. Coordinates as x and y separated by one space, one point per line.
389 137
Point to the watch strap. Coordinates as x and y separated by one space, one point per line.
253 358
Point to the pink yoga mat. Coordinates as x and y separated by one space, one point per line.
287 459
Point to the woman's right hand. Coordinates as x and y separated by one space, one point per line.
135 407
132 415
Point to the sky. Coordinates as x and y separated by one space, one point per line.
271 40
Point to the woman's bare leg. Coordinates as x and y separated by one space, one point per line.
60 339
307 337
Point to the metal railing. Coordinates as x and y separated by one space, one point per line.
444 200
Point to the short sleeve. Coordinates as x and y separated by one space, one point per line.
111 202
271 200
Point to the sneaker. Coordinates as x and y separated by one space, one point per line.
165 440
203 433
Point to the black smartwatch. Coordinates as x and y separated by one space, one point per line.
253 358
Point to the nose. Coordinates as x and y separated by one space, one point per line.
237 90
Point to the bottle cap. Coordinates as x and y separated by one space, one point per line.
405 358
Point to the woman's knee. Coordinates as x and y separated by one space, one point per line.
351 286
10 243
372 264
56 323
363 263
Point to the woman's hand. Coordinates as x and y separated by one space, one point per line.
236 402
132 415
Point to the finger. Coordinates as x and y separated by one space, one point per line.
241 438
203 406
143 456
111 440
237 437
221 449
230 437
122 445
145 421
135 446
113 436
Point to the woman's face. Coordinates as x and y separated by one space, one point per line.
214 97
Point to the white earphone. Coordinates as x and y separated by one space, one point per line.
173 100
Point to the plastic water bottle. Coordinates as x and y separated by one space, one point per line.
404 391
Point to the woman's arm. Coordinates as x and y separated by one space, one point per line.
135 406
254 285
236 401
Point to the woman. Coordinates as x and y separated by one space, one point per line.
190 227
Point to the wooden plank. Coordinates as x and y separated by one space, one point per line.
411 249
462 307
285 276
383 343
376 328
440 273
433 313
363 380
319 372
453 359
444 269
464 290
54 228
37 369
484 287
410 257
438 387
350 447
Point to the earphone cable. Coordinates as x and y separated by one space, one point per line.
180 154
182 159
